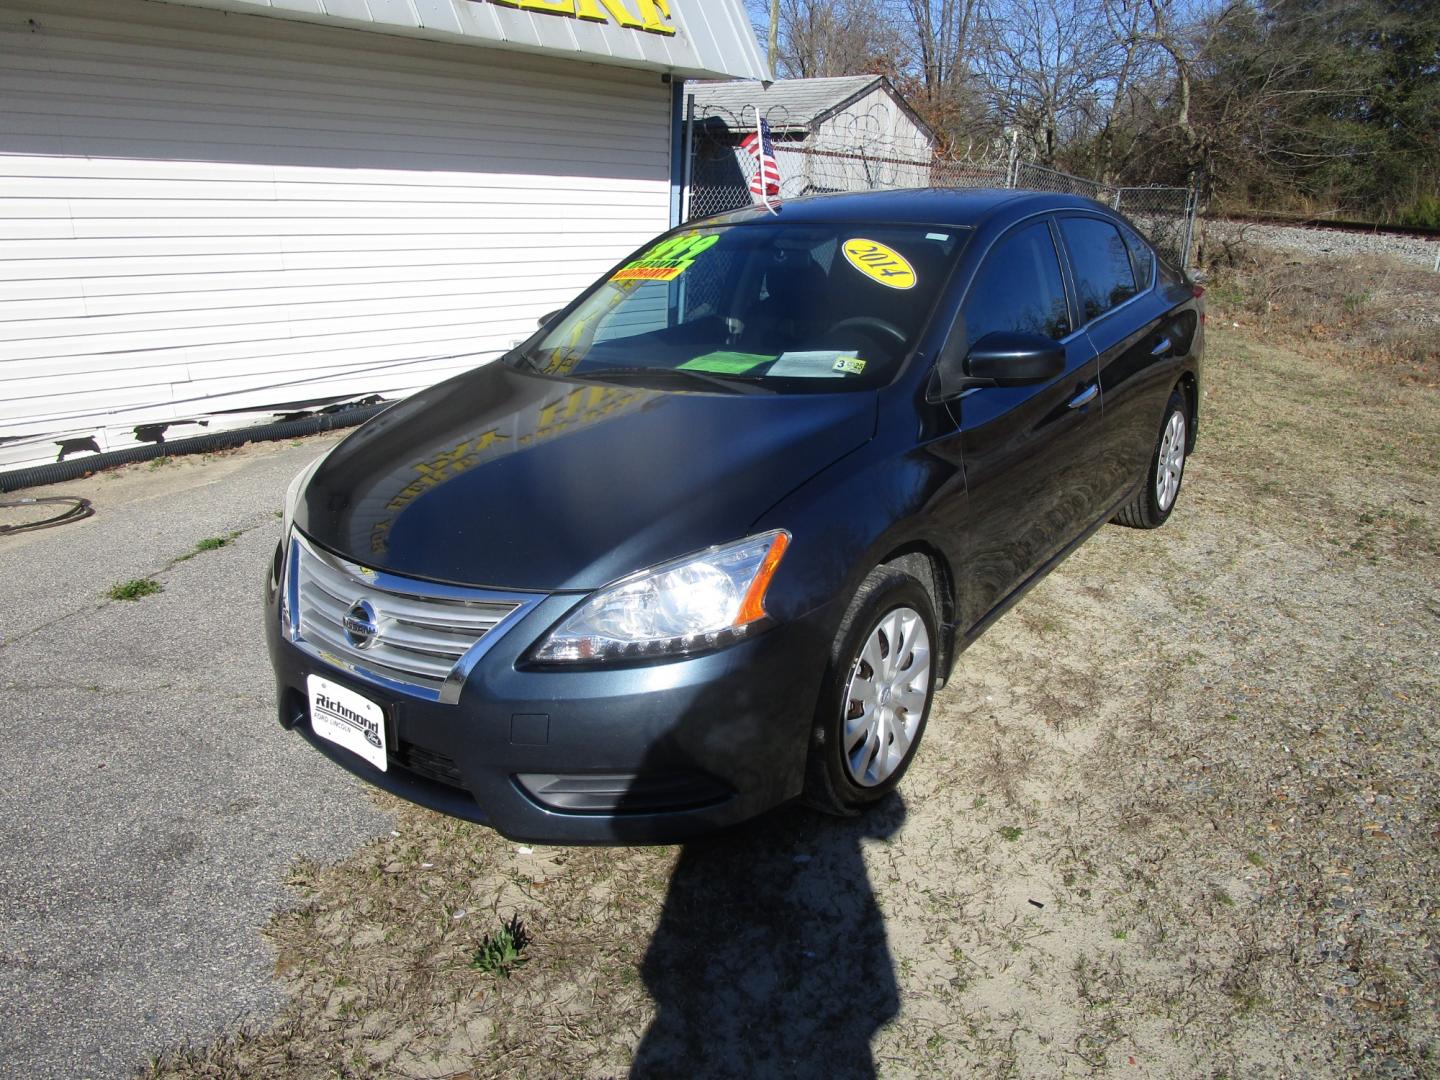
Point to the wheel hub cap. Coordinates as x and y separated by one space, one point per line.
885 697
1170 463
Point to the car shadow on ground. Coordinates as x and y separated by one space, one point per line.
771 957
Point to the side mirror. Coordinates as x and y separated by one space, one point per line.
549 317
1002 358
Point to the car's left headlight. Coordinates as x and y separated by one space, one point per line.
693 604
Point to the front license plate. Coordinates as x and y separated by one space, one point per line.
347 719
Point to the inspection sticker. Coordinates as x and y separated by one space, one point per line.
347 719
884 264
812 364
851 365
668 259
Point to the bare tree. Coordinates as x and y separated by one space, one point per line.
942 33
821 38
1252 90
1047 67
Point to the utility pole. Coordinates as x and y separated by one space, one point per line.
774 33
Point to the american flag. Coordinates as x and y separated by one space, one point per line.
766 182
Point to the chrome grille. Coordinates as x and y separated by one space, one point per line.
426 637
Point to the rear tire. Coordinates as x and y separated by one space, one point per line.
1151 507
876 697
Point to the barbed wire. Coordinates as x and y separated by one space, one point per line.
856 152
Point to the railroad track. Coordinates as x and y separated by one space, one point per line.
1368 227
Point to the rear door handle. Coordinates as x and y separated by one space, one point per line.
1085 396
1164 348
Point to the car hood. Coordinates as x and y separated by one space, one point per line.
508 479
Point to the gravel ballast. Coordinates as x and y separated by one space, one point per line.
1319 241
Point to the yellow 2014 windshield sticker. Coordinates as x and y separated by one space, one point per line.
885 265
668 259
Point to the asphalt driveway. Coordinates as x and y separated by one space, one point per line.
149 802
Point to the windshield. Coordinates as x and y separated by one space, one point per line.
791 308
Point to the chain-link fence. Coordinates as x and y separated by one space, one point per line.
860 157
1032 177
1165 215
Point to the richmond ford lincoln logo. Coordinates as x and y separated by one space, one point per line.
369 728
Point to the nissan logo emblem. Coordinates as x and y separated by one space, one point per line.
362 625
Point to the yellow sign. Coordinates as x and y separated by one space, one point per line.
649 15
668 259
885 265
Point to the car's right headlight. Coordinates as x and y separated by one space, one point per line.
693 604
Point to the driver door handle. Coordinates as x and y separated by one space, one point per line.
1084 397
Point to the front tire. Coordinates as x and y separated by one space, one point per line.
876 697
1152 505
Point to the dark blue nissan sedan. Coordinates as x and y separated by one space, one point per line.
712 539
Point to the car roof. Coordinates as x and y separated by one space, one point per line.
917 206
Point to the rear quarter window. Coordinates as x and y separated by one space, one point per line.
1104 275
1141 258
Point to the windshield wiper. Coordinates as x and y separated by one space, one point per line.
525 361
734 384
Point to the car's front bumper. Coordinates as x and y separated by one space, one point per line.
626 754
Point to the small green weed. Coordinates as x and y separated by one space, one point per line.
1010 832
499 953
210 543
134 589
161 462
1353 303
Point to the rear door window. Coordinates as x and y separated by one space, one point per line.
1104 276
1019 288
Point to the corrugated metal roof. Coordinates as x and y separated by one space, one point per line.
788 104
700 38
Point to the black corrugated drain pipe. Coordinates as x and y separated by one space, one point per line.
59 471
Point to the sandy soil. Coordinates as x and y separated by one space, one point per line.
1175 816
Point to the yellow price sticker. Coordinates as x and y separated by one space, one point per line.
884 264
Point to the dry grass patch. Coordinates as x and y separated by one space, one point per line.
1377 309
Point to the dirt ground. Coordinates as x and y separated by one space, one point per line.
1175 816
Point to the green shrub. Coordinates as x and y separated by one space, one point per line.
1423 213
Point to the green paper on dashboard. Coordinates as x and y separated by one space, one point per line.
726 363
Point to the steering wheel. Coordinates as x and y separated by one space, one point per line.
869 322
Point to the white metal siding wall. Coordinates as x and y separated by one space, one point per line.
203 212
